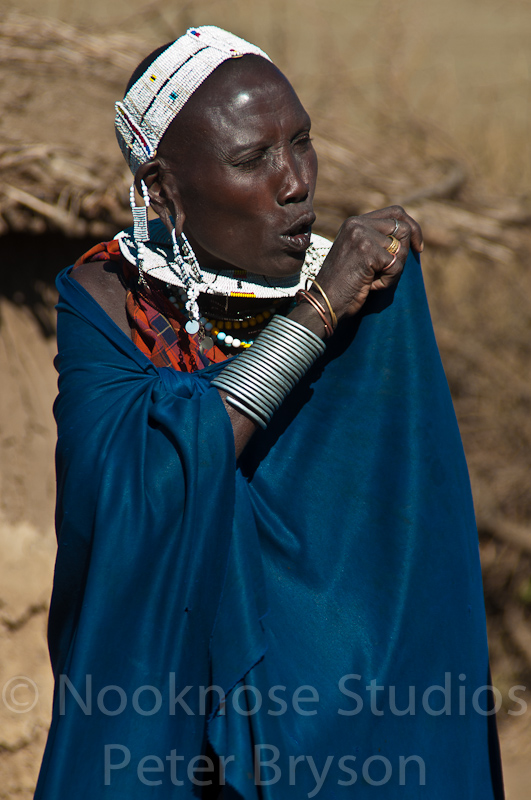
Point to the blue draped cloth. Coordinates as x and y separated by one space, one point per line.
312 614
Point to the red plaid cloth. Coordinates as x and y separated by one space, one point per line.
157 327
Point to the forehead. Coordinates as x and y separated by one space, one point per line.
237 103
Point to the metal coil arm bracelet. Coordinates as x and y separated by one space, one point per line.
258 380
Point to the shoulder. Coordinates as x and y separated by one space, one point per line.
102 280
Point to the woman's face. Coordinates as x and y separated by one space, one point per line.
242 170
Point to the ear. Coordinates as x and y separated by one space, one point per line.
163 192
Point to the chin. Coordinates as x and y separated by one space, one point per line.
285 265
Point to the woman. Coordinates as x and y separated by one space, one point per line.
267 579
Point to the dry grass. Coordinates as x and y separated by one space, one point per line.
423 104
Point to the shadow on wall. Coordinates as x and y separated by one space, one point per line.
30 266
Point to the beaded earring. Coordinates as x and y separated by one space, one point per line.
187 267
140 226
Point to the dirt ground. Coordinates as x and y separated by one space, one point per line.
27 543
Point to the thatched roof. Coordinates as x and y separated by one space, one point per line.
61 169
59 165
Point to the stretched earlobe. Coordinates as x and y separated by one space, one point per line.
172 221
163 197
163 194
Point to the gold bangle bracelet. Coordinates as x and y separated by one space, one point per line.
327 301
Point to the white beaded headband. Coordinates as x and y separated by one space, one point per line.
153 102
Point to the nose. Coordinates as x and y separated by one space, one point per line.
294 188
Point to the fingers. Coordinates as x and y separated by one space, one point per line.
396 245
368 253
397 248
387 218
391 263
373 244
394 249
391 272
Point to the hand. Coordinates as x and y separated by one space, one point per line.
359 262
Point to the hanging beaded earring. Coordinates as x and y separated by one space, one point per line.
184 258
187 267
140 227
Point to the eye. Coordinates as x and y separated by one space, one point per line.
252 160
304 140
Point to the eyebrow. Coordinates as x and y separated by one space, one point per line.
235 149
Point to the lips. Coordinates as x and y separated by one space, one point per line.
298 235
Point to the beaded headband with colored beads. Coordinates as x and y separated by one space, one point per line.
142 118
155 99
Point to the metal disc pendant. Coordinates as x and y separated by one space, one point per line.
207 343
192 326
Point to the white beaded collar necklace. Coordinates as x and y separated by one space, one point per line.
157 262
158 95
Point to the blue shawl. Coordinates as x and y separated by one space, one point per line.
312 613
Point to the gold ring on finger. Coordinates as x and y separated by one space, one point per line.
394 247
